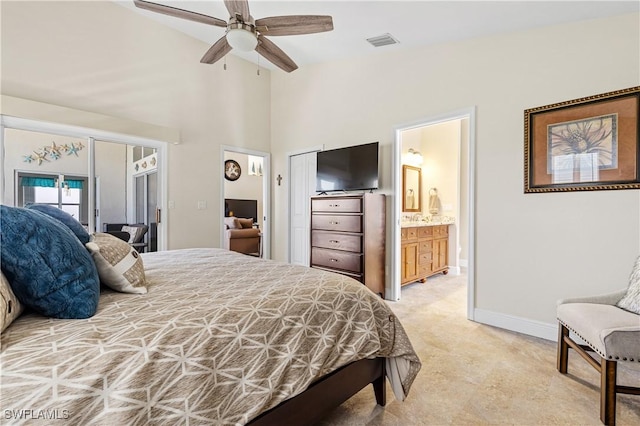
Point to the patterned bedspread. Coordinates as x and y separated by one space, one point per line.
219 338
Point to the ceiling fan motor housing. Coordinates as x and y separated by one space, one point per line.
241 35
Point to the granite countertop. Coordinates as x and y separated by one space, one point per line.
444 220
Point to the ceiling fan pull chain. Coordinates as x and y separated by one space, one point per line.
258 70
225 63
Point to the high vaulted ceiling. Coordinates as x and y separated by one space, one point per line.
412 23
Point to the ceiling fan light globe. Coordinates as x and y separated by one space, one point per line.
241 39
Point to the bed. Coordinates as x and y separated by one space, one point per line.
219 338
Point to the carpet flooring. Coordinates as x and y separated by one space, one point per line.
473 374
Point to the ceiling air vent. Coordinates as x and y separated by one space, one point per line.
382 40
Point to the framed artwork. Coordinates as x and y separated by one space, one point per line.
232 170
411 188
585 144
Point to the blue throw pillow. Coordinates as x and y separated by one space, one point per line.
64 217
48 268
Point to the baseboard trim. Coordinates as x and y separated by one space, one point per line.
517 324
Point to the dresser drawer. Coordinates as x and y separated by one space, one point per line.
336 240
440 231
342 205
344 223
424 271
425 232
336 259
426 258
426 246
408 234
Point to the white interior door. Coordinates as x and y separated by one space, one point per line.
303 185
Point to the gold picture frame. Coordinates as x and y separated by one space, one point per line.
585 144
411 189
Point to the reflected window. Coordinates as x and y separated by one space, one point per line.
68 193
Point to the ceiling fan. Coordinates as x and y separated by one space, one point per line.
245 33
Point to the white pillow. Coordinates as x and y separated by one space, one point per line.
631 300
134 232
119 265
232 223
11 307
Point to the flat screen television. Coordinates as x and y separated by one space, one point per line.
348 169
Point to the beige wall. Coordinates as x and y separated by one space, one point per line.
123 68
441 152
530 249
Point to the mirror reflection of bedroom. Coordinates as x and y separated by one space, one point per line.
243 203
51 169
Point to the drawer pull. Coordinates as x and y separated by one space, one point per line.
334 260
334 205
334 241
334 222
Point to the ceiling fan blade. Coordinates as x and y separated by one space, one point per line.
217 51
180 13
294 25
274 54
238 7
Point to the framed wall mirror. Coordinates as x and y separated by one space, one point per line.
411 189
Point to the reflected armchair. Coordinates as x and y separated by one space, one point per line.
241 236
133 234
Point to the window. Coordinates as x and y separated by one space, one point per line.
68 193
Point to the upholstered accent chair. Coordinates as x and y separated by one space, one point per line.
133 234
241 236
609 331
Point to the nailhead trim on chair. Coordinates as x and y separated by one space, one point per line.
592 346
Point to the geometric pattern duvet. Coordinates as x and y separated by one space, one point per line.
219 338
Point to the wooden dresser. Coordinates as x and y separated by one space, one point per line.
423 252
348 237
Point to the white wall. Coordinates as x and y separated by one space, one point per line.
102 58
530 249
111 172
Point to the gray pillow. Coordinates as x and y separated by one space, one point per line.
119 265
11 307
631 300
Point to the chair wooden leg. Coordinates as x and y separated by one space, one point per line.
563 349
608 391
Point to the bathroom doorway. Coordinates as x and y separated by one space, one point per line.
442 150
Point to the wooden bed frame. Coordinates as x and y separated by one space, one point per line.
328 393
